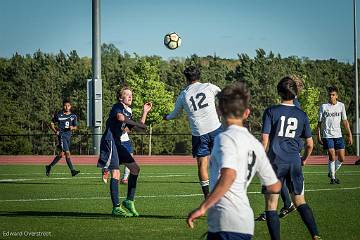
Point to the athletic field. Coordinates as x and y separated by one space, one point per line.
65 207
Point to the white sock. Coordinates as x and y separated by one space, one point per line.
337 165
126 173
332 169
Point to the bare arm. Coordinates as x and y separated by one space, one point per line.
53 128
347 127
318 131
225 181
265 140
147 108
309 145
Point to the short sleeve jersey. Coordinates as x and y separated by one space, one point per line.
64 121
330 116
239 150
112 123
286 125
198 100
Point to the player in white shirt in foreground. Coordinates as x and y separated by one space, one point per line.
236 157
198 100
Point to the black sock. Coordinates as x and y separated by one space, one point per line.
273 224
56 159
205 190
114 192
69 163
132 186
308 218
285 196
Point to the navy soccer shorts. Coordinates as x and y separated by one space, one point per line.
335 143
228 236
202 145
64 142
112 152
128 146
289 174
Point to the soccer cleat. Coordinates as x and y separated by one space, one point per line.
261 217
286 211
124 181
337 181
120 212
74 172
332 181
105 176
129 205
48 168
316 237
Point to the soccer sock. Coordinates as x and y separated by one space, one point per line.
329 166
308 218
337 165
126 173
273 224
56 159
114 192
69 163
332 169
132 187
285 196
205 187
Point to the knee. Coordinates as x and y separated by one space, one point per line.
134 169
299 201
115 174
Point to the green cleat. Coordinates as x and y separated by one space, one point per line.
129 205
120 212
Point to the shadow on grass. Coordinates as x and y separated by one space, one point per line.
77 215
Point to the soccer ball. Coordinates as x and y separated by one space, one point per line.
172 40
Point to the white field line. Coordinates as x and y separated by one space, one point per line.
99 176
158 196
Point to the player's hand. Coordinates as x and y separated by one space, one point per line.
320 141
199 212
350 140
303 161
147 107
57 133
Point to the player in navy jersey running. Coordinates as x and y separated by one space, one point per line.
66 123
283 127
288 207
198 100
113 153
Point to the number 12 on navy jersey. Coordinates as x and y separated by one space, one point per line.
288 127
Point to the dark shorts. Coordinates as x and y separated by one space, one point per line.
228 236
112 153
202 145
336 143
64 142
128 146
291 175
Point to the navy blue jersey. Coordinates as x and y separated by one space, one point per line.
64 121
112 123
286 125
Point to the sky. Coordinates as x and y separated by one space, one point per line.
317 29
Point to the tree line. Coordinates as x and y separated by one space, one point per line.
33 87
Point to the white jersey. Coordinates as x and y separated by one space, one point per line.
198 100
330 116
237 149
125 136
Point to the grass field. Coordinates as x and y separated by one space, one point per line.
62 207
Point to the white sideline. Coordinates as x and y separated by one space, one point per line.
157 196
